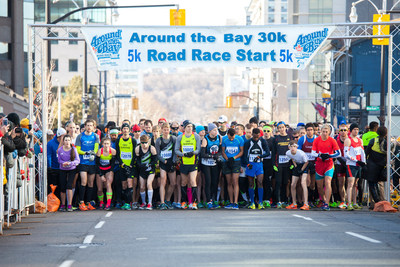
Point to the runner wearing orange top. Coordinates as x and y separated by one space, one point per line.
325 148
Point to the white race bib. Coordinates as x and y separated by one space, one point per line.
187 149
126 155
283 159
166 154
208 162
104 162
357 150
310 156
252 157
86 157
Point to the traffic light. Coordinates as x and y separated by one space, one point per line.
228 103
135 103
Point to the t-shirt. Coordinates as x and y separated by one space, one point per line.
300 157
329 146
232 148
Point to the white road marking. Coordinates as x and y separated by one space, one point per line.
67 263
99 225
88 239
109 214
141 238
364 237
309 219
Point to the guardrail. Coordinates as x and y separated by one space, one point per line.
18 194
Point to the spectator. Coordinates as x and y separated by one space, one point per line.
53 167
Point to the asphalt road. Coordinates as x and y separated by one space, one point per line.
204 238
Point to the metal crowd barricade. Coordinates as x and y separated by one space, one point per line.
16 200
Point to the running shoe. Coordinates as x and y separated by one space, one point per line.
142 206
126 206
101 205
357 207
216 205
135 205
252 206
350 207
184 205
279 205
83 207
292 207
260 206
311 205
74 208
200 205
333 205
305 207
62 208
178 205
90 206
235 206
194 206
342 205
169 205
266 204
274 205
319 204
69 209
149 206
228 207
210 206
190 206
284 204
325 207
163 206
118 206
107 207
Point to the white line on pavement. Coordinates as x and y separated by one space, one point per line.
88 239
109 214
99 225
67 263
308 219
141 238
364 237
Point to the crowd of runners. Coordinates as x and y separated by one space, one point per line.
230 165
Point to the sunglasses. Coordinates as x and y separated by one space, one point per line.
295 137
175 128
267 131
143 143
136 131
343 130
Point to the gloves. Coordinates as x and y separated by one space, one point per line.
256 159
324 157
88 152
275 168
249 166
215 156
342 161
291 167
361 163
188 154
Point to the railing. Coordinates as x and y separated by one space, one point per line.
18 195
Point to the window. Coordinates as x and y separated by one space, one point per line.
284 18
284 7
73 65
55 64
271 18
4 8
74 35
271 7
54 34
5 51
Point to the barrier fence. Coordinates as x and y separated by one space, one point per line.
17 195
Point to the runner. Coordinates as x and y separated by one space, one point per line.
222 129
355 160
175 129
87 144
232 150
127 176
268 165
325 149
136 133
148 127
300 162
282 165
201 180
188 147
105 160
167 160
255 150
68 158
340 166
210 152
146 159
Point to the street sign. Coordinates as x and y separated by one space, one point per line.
177 17
381 30
372 108
123 96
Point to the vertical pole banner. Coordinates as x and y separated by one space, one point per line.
138 47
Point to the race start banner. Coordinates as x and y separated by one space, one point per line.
138 47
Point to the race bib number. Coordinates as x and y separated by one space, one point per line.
86 157
166 154
126 155
187 149
231 150
208 162
104 162
283 159
310 157
252 157
357 150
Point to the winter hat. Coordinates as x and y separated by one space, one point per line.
211 126
199 128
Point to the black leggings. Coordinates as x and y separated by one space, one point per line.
373 187
211 174
66 180
282 179
267 184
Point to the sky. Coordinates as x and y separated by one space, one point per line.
198 12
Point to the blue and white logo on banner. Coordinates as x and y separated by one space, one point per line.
306 45
107 46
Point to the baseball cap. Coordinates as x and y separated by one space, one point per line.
61 131
222 119
136 128
342 122
300 124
